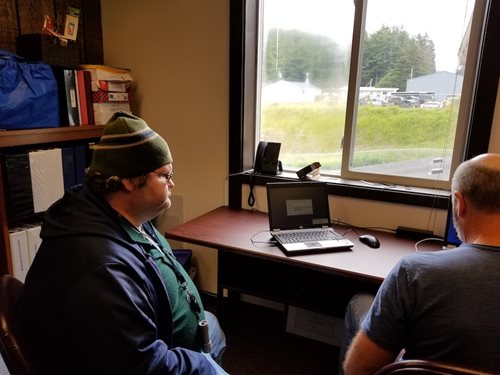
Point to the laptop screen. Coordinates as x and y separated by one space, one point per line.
450 234
294 205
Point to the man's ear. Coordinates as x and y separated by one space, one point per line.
460 204
128 184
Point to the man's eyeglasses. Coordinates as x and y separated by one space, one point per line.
166 176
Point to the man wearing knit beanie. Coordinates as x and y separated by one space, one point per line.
105 293
129 148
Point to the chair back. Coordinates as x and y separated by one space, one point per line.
11 345
413 366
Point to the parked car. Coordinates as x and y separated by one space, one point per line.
404 101
432 105
378 102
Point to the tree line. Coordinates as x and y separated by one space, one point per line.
390 57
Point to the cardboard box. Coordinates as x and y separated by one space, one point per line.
110 97
104 111
107 73
111 86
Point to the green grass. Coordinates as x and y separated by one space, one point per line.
313 132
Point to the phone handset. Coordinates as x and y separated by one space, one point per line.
266 158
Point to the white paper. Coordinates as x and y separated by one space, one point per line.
47 180
34 241
19 253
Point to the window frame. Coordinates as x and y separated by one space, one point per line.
353 96
242 132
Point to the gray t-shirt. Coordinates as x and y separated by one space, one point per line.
443 306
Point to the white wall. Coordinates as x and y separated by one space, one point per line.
178 52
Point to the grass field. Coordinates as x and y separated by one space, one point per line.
314 132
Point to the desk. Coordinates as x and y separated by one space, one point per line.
322 282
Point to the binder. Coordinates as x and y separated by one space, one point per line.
68 165
81 163
18 186
19 252
82 98
47 181
88 92
74 161
71 97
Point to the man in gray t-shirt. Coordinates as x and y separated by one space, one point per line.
443 306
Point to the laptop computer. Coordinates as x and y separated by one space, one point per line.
450 233
302 208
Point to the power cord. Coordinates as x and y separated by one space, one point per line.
425 240
251 173
251 196
268 242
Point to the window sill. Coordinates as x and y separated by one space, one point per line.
409 195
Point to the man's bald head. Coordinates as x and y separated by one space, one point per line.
478 179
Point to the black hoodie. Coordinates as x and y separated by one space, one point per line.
94 302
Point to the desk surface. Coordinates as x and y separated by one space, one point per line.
247 232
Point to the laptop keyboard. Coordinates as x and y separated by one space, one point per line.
307 235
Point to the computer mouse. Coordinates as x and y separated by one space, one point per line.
370 240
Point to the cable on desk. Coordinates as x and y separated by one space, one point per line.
425 240
347 231
268 242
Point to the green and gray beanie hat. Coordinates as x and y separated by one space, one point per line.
129 148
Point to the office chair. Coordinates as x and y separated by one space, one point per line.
11 346
413 366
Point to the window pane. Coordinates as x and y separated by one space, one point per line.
304 60
410 87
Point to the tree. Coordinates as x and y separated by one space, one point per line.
391 57
294 55
380 52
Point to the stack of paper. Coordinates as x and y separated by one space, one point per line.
19 253
111 90
25 241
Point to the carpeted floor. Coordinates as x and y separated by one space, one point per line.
259 344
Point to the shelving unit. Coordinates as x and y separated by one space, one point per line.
11 139
23 18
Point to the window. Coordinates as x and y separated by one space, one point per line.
380 91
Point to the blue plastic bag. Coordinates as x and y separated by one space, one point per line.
28 94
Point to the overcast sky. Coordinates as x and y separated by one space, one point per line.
444 21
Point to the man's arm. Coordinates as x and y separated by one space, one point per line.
366 357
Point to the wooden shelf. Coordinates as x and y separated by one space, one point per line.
26 137
32 137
